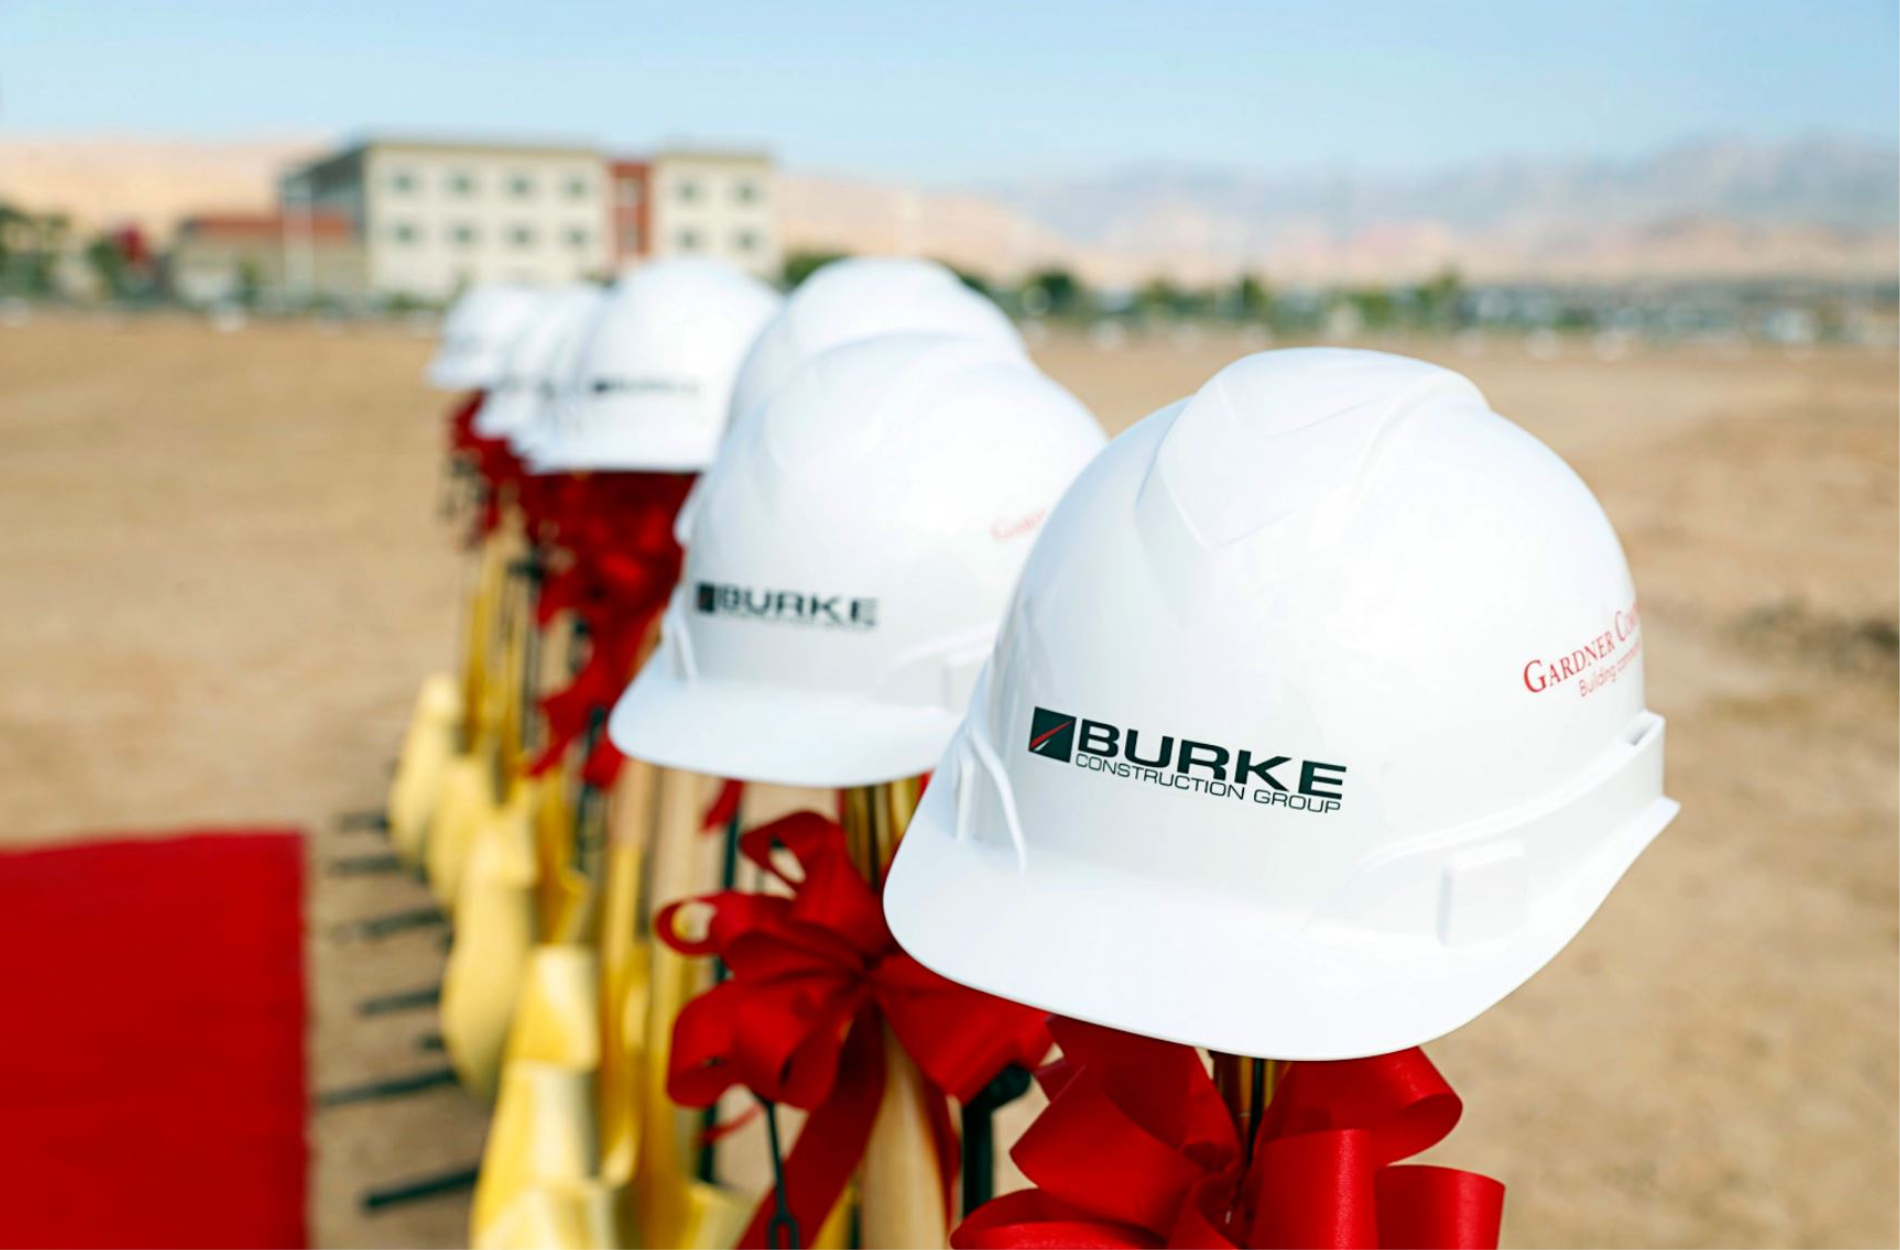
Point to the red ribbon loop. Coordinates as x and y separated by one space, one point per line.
815 974
613 563
724 806
1137 1149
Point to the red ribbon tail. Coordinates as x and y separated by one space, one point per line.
1439 1208
725 807
602 766
833 1139
1316 1190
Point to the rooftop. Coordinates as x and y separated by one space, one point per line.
319 227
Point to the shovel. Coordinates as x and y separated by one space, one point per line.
900 1192
625 964
494 932
540 1184
554 1215
421 788
476 780
427 746
538 1165
431 737
672 1207
495 906
572 1018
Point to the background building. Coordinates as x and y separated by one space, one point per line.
630 212
433 217
717 204
244 257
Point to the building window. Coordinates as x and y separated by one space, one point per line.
746 241
579 237
464 235
462 183
688 191
688 240
521 186
579 187
746 191
403 182
627 192
405 232
521 236
629 240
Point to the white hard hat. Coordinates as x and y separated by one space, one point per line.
856 543
1315 728
534 422
530 374
848 301
861 298
653 382
476 334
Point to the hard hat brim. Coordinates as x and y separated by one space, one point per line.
633 435
773 734
1133 954
505 414
462 373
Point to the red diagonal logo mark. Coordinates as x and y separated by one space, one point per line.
1036 742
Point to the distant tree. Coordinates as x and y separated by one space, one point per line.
46 233
1054 291
14 226
1574 316
1252 300
799 265
250 282
109 262
1158 295
1439 298
1373 305
975 281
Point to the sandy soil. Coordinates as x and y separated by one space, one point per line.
225 576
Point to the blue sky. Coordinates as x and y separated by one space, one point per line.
947 93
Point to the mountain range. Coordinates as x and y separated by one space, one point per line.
1824 207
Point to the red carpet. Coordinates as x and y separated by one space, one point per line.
152 1043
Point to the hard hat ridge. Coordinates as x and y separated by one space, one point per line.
859 298
649 388
476 334
858 538
853 301
1274 433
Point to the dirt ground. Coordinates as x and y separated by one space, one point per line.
225 575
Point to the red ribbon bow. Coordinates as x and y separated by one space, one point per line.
616 562
814 975
1136 1149
493 460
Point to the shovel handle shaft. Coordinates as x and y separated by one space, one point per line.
899 1182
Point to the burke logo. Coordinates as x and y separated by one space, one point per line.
1184 764
1051 734
790 606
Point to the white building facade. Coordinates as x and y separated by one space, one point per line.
715 204
435 217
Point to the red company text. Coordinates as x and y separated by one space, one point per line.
1543 674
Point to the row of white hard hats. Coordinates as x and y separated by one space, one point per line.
1314 724
646 374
